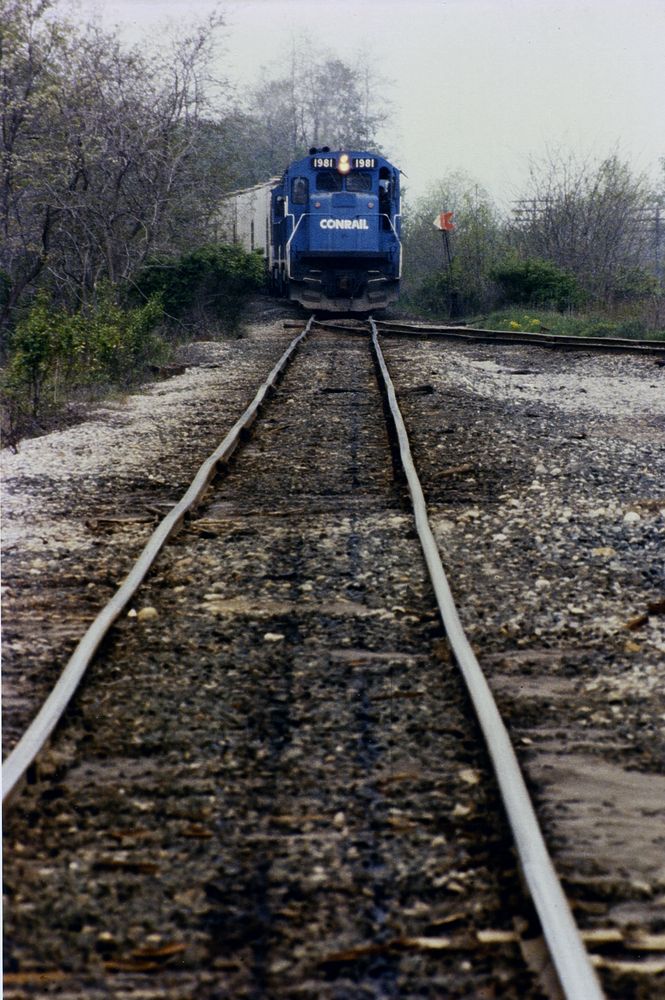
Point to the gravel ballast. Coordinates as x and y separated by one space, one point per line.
543 472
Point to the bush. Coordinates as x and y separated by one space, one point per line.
607 327
633 284
437 294
5 288
538 283
214 279
54 352
110 344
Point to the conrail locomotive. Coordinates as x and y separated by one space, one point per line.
329 229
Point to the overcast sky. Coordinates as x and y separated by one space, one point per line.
478 85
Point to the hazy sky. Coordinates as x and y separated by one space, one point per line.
478 85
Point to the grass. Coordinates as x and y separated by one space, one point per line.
567 324
643 320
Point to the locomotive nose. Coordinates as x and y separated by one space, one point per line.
336 239
343 221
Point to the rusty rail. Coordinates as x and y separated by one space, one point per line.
537 339
39 731
571 961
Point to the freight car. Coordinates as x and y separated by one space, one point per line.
329 230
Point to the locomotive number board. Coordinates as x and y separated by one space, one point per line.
330 163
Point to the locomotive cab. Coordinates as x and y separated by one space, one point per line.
336 232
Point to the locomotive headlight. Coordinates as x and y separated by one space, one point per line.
370 204
344 164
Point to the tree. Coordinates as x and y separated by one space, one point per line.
30 54
99 154
586 218
319 100
476 243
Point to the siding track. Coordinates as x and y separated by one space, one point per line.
610 345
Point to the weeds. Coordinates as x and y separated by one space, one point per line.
568 324
55 356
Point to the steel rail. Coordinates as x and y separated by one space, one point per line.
40 729
571 961
522 337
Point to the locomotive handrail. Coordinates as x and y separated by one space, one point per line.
398 215
576 975
38 732
290 240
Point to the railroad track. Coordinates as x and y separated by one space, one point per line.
620 345
296 689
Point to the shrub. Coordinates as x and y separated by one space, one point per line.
34 346
446 291
110 344
214 279
52 349
633 284
538 283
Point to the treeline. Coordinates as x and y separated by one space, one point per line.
113 164
114 160
99 164
113 156
583 235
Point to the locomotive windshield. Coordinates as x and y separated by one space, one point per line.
359 182
299 190
330 180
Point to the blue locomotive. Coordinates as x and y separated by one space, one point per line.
335 223
329 230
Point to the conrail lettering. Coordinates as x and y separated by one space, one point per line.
343 224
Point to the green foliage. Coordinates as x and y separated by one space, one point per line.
440 292
632 328
537 282
110 344
35 344
214 279
474 245
634 283
54 352
580 324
